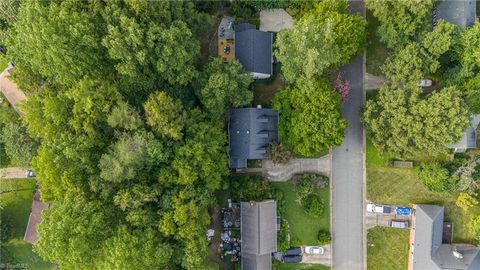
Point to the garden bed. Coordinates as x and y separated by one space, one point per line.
303 226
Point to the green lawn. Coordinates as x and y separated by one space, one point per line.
387 249
299 266
303 226
3 62
376 51
17 209
402 187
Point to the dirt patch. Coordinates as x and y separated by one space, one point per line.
264 92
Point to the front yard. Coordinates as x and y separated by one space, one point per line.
299 266
304 227
387 249
17 207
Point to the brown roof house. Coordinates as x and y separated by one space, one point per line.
31 235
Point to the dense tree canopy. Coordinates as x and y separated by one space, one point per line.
417 59
403 123
224 85
400 20
468 51
310 118
130 170
19 146
325 37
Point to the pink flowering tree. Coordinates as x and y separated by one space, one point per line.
342 86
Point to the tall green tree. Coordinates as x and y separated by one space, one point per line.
135 249
19 146
224 85
400 20
325 37
151 41
403 123
71 232
417 59
59 40
468 51
310 117
165 115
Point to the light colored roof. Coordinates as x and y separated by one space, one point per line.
459 12
429 252
258 234
469 138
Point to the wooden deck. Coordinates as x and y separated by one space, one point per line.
221 49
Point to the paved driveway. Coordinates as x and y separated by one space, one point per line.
324 259
12 172
10 90
348 175
275 20
285 172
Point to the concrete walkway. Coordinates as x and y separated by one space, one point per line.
284 172
275 20
10 90
12 172
373 82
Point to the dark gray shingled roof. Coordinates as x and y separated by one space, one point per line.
253 48
429 252
459 12
258 233
250 131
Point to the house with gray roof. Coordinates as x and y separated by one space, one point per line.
250 131
462 13
429 251
253 48
258 232
469 138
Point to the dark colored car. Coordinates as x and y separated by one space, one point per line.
293 251
292 259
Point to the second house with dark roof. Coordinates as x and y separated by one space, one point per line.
253 48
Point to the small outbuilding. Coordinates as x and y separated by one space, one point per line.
258 234
253 48
469 138
250 131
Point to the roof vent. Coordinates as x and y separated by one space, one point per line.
457 254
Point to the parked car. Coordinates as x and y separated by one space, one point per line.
292 259
314 250
425 83
400 224
403 211
293 251
29 173
376 208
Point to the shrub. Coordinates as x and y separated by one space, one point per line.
466 201
323 237
313 205
5 228
278 153
305 187
250 188
283 236
436 178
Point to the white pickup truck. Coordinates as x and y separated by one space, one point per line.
376 208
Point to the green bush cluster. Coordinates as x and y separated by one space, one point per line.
436 178
323 237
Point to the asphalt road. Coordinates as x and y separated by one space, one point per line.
348 175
